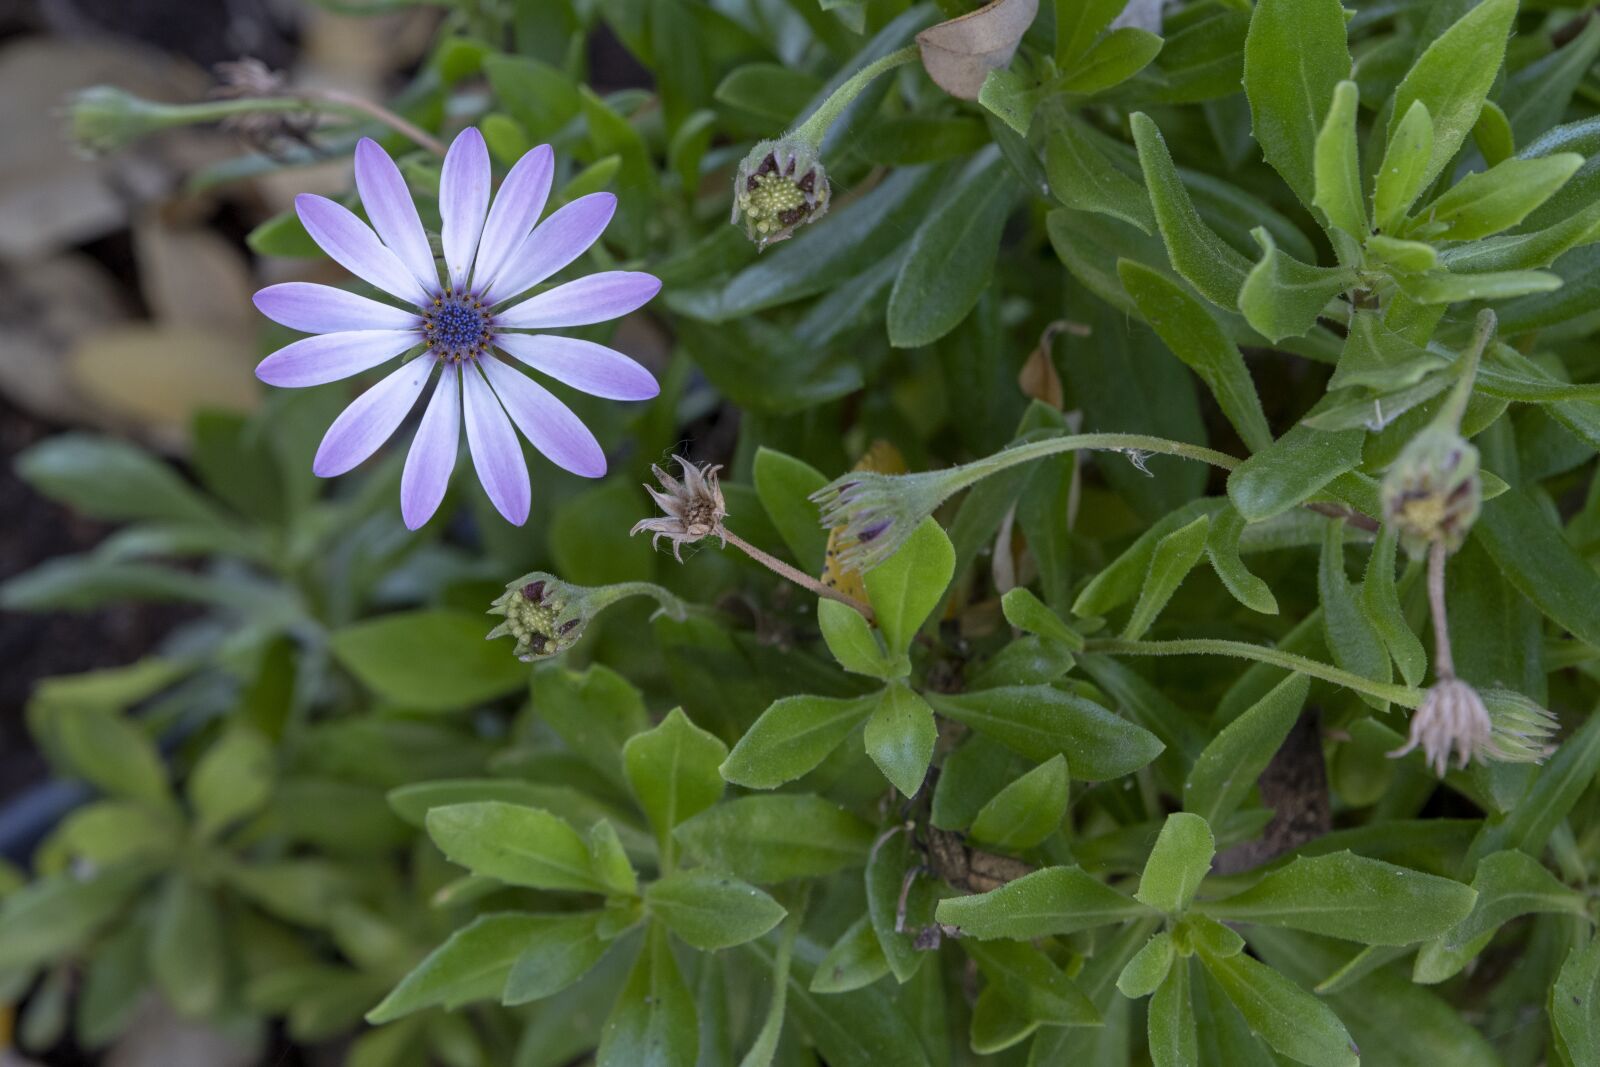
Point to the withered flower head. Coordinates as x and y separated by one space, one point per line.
1433 492
694 508
780 187
1452 718
266 130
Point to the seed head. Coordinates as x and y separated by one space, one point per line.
780 187
1433 492
693 508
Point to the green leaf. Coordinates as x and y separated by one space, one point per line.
784 485
906 588
539 96
1031 981
429 660
710 910
1174 557
900 901
232 780
900 736
1054 900
1195 337
1227 769
1453 76
1380 602
1027 612
551 953
1497 199
1039 722
1113 59
1079 23
1442 288
673 773
1404 172
1180 859
1294 57
1026 811
950 259
609 859
1207 262
285 236
1572 1001
1336 164
1292 470
1174 1036
471 965
1409 257
1282 1014
109 752
653 1022
594 712
1222 548
851 640
1535 556
514 844
1352 897
1082 177
766 839
855 960
791 737
1146 971
186 949
102 478
1283 297
1350 633
1492 134
1509 884
55 915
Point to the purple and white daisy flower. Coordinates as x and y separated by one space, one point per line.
464 324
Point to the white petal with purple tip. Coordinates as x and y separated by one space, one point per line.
432 458
555 242
463 202
332 356
389 206
496 452
352 244
517 207
371 419
594 298
552 427
312 308
584 365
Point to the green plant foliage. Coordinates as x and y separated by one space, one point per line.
1145 610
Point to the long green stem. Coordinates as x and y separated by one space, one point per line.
812 130
298 101
1455 404
1136 446
1405 696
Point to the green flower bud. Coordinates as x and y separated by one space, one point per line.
103 118
547 616
780 187
1522 731
1433 493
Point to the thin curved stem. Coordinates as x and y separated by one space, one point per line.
362 106
1135 446
1444 663
798 577
1405 696
816 126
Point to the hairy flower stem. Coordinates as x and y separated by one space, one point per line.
798 577
813 129
1405 696
1444 663
170 115
1134 445
1455 405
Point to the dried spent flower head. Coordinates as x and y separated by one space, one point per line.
780 187
543 613
1523 732
1452 718
266 130
875 513
694 508
1433 492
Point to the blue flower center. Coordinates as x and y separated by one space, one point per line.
456 326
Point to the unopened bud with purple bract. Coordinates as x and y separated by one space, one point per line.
780 187
1433 493
876 513
544 614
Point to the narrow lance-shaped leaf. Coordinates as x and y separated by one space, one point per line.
710 910
1082 177
1350 633
1227 770
905 588
1174 1036
1282 1014
1490 201
1196 338
653 1021
1175 556
1040 721
1055 900
1283 297
791 737
1404 171
1337 164
1206 261
767 839
1222 548
1294 56
673 771
1179 861
900 736
1380 600
1027 810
